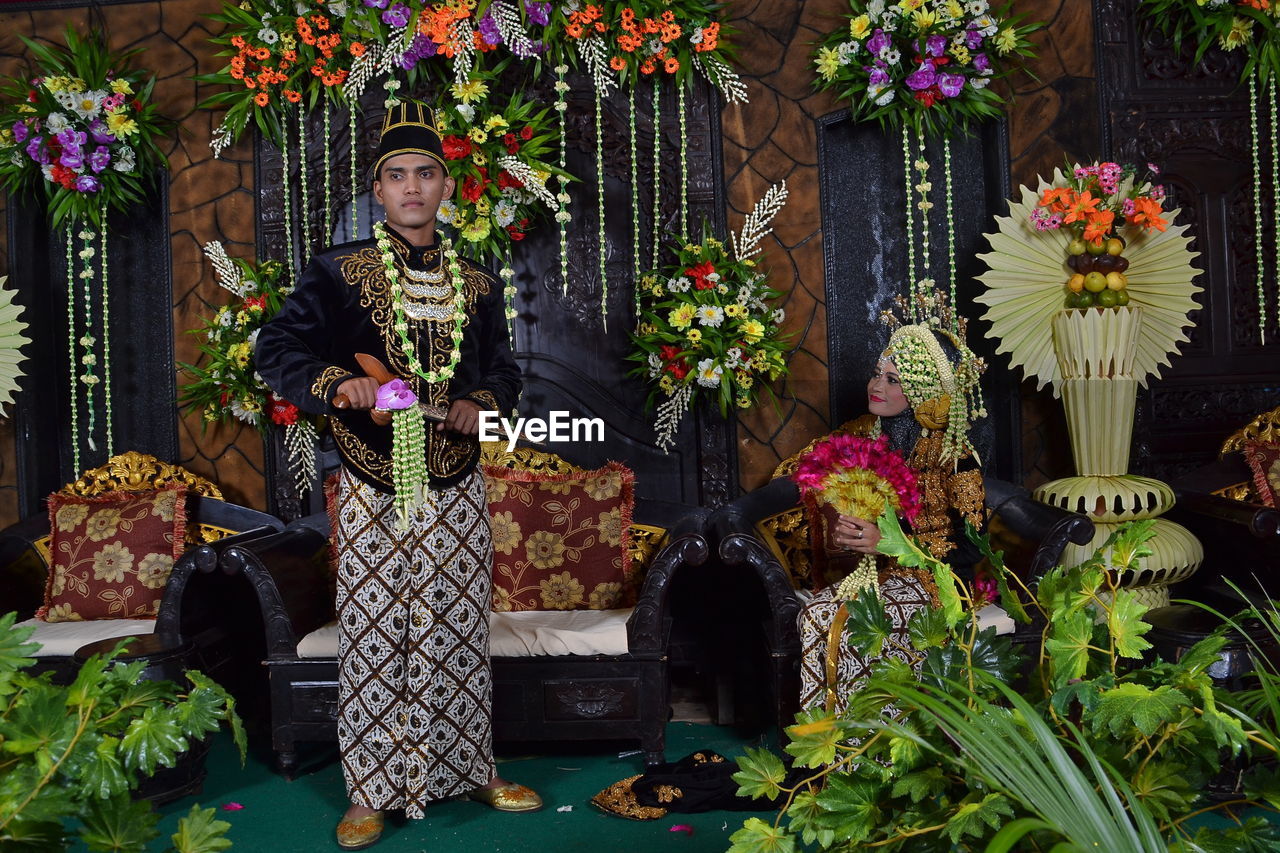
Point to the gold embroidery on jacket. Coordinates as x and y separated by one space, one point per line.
331 374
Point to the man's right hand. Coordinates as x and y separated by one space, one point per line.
361 391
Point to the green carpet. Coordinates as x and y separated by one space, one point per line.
300 816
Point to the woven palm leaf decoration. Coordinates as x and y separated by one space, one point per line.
1025 279
11 342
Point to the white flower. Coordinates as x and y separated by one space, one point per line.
564 217
713 276
253 338
875 9
779 315
679 285
448 211
239 412
721 289
226 319
986 25
976 7
696 38
884 99
504 213
56 123
266 35
46 170
88 104
846 51
709 373
655 360
710 315
124 161
467 112
66 99
979 82
891 56
339 8
733 358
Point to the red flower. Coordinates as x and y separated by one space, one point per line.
283 412
699 275
31 95
472 189
508 181
457 147
929 96
669 352
527 133
678 369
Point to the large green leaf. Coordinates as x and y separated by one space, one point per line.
25 796
101 774
815 738
1163 789
206 685
152 739
38 722
23 835
895 543
979 818
118 824
760 774
1138 706
1124 621
1068 646
928 628
868 627
804 814
1253 835
15 651
756 836
851 806
201 832
921 784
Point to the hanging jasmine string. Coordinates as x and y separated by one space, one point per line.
355 208
635 200
106 341
328 175
951 234
1275 201
291 270
924 284
305 200
562 198
684 162
911 217
71 354
657 173
89 358
1257 209
604 275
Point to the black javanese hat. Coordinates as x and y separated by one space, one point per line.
408 129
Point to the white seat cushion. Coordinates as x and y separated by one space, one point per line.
61 639
528 633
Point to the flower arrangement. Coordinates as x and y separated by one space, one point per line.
226 386
924 63
706 325
1092 205
82 128
1228 24
500 150
863 478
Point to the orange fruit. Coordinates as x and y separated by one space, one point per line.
1076 283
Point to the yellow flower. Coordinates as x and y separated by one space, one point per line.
495 122
924 18
1241 33
752 331
477 134
910 5
647 329
681 316
961 54
476 231
561 592
604 486
541 175
506 532
606 596
288 42
55 84
954 9
75 84
744 402
734 310
860 26
121 87
69 516
545 549
610 524
666 383
154 570
103 524
477 157
483 207
472 90
121 125
694 335
1006 40
828 63
112 562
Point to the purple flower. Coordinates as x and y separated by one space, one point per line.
922 78
87 184
877 43
20 131
950 84
100 158
395 395
935 45
1151 167
1128 207
98 130
72 158
981 63
539 13
972 39
489 28
377 4
396 16
878 76
71 138
36 150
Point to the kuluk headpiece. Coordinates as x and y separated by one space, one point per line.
408 129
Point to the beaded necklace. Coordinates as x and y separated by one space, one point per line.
458 310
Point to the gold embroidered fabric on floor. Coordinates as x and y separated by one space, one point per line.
415 684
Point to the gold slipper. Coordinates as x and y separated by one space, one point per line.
360 833
510 797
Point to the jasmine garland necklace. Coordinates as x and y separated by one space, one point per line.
459 306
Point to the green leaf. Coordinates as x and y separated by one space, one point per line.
868 626
205 684
1253 835
928 628
15 652
1138 706
977 818
39 721
201 832
756 836
1129 544
1263 783
814 738
804 815
22 835
152 739
851 806
1086 693
1124 621
118 824
1010 599
922 784
996 654
1068 646
895 543
101 775
760 774
904 752
1163 789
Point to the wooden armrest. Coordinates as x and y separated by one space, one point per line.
647 627
740 545
202 558
1262 521
289 572
1050 527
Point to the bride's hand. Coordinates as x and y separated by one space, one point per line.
855 534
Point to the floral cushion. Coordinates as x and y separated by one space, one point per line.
560 541
1264 460
112 553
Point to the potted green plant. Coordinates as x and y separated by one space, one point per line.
1107 747
70 755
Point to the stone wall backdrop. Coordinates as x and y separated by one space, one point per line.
208 200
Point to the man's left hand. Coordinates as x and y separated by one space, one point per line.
463 418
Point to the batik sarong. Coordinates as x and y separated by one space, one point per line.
414 683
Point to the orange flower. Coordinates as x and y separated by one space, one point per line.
356 49
629 43
647 67
250 83
573 29
670 33
262 54
1082 205
600 27
1098 225
1057 199
617 63
237 74
261 99
321 22
651 26
668 17
293 96
672 65
1147 214
710 37
629 20
290 56
237 41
